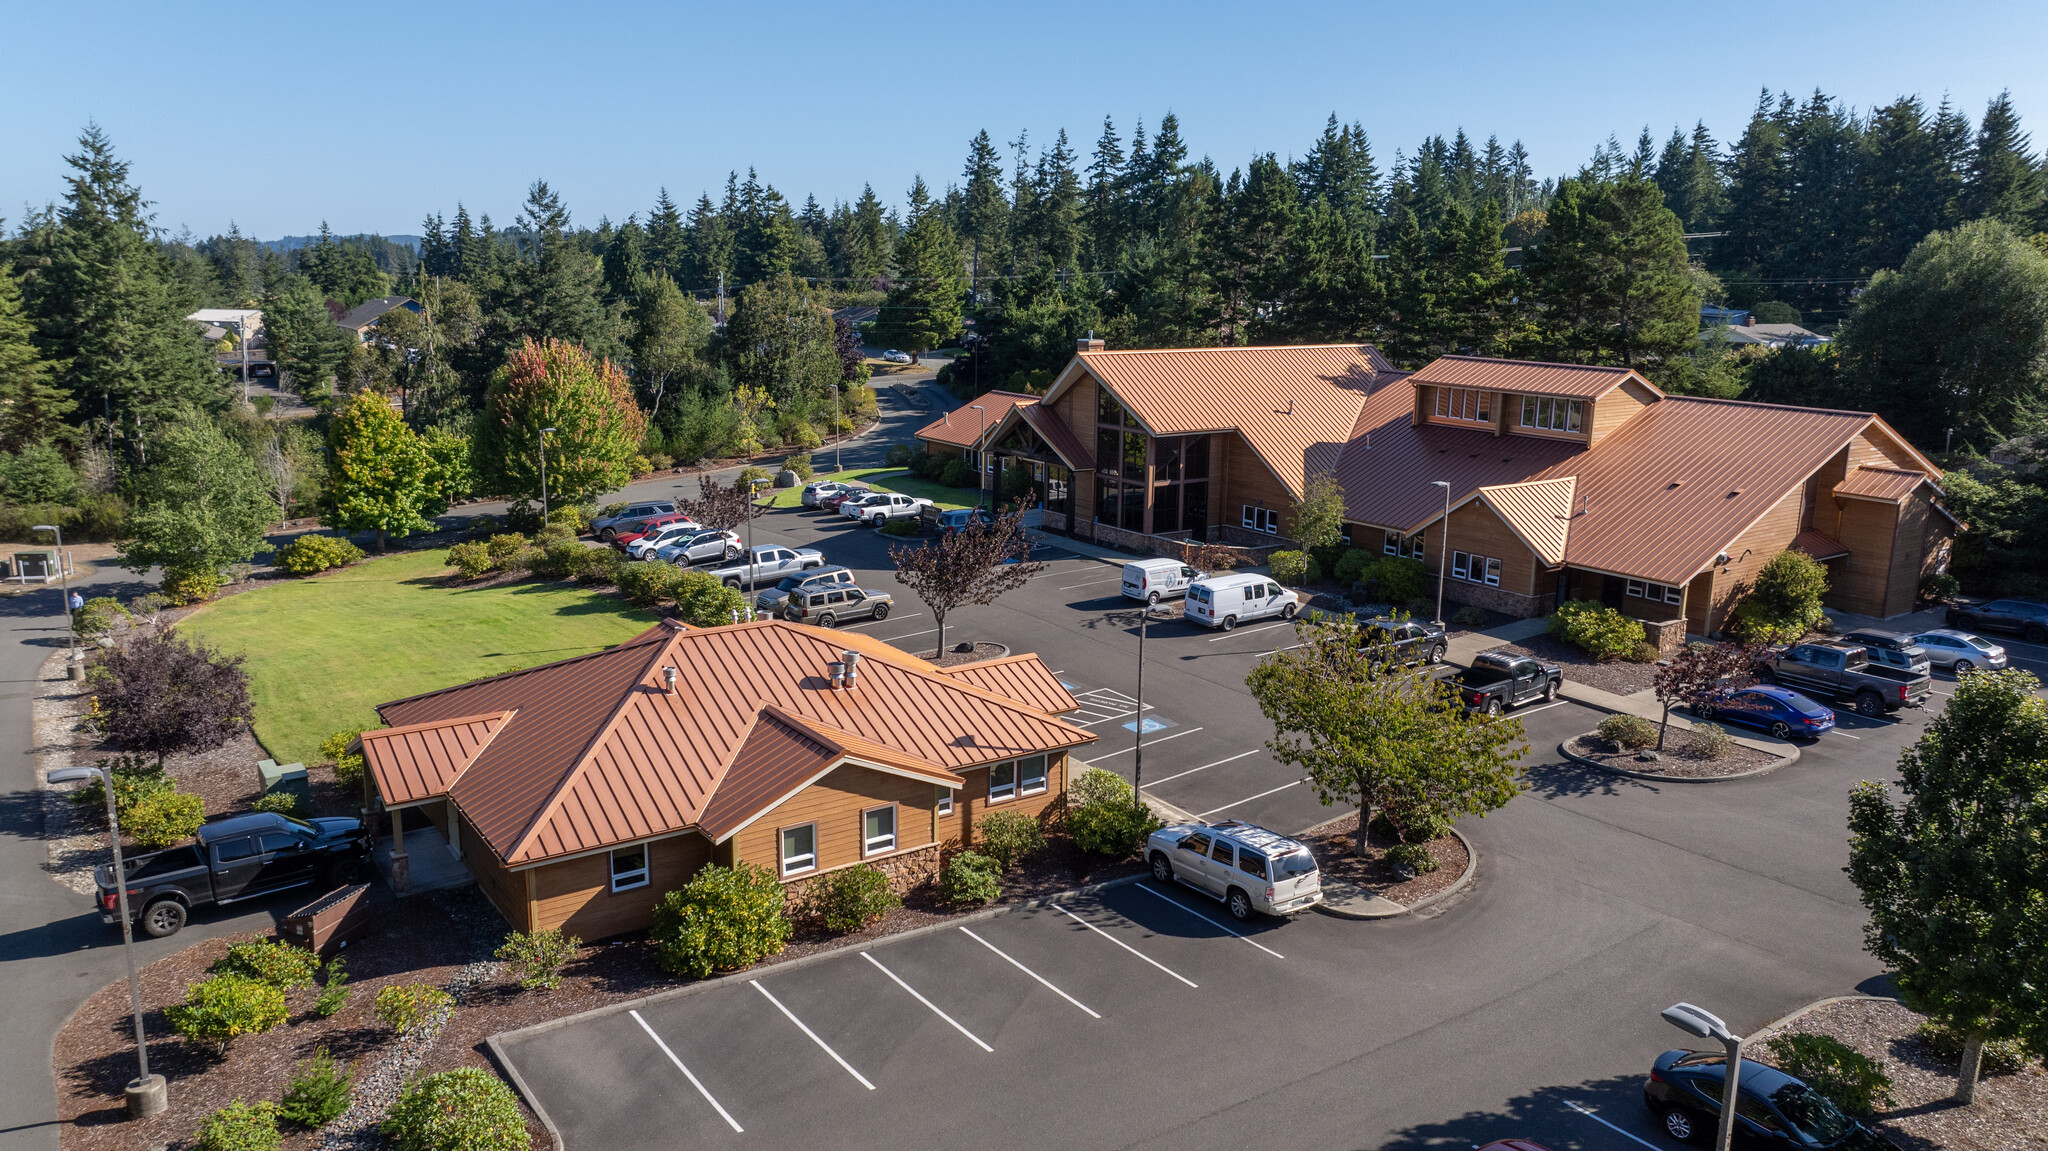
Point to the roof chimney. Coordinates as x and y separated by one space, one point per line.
668 676
1749 319
1088 343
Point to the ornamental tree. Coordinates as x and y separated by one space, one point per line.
1954 877
1386 739
204 505
973 565
382 480
167 695
1319 515
589 403
1694 676
719 505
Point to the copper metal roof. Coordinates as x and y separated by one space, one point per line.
600 753
1295 406
1819 545
783 754
1389 463
1888 484
1662 494
1530 377
423 760
962 427
1055 432
1539 511
1023 678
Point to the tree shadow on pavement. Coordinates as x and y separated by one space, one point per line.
1569 780
1547 1116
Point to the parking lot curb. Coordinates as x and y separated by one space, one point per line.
1464 881
1787 1020
1565 750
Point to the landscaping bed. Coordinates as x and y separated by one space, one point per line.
952 658
1333 844
1676 761
2011 1111
1622 677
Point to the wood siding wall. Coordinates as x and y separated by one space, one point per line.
505 888
1857 582
1771 534
1476 529
1246 480
1077 408
1917 549
835 804
1617 408
576 896
971 801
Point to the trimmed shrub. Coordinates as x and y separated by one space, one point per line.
470 560
334 990
1351 565
1940 587
897 456
1290 569
560 559
97 617
752 475
135 779
190 587
971 877
1008 836
572 516
1392 579
240 1127
1113 829
165 818
536 957
1783 601
1094 785
310 554
348 765
1599 630
1709 741
405 1006
505 548
903 526
850 898
648 583
318 1094
958 473
1645 652
467 1109
148 604
1848 1078
800 463
273 961
2001 1056
1630 731
702 600
724 919
278 802
598 566
217 1010
1413 856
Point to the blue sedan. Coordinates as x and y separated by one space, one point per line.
1780 711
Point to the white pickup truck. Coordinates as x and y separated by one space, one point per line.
880 507
771 563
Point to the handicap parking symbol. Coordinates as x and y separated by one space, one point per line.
1152 723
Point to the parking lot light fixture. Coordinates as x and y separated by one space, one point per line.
1138 737
147 1094
544 477
1704 1024
980 456
1443 558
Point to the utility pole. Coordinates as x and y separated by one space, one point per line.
1443 562
1138 736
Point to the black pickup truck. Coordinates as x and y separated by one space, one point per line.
237 858
1844 671
1498 680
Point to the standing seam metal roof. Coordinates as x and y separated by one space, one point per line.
1890 484
1389 463
424 760
1539 511
960 429
1582 381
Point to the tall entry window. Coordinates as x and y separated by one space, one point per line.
1120 449
1180 488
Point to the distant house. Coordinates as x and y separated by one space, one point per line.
364 316
1710 315
1768 335
578 793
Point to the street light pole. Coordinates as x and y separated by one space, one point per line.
1704 1024
980 457
1138 737
148 1094
839 442
64 582
544 476
752 556
1443 559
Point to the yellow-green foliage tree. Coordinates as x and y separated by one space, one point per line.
589 404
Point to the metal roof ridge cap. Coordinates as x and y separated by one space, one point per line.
628 645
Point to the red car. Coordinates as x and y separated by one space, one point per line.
831 503
652 527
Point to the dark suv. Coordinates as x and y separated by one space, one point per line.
2026 617
1684 1093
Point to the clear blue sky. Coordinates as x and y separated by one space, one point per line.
369 115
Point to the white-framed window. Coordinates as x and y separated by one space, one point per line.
944 804
878 830
799 848
1547 414
1464 404
1656 592
1475 568
1412 547
1260 519
1002 781
1031 774
629 867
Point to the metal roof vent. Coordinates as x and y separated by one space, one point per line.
668 676
851 663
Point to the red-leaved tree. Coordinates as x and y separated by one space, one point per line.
972 565
588 402
1696 675
164 695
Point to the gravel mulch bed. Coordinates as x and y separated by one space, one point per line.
951 658
1675 760
1621 677
1334 846
2011 1111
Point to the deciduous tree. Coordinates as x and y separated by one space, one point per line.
589 403
1696 675
204 505
166 695
381 478
719 505
973 565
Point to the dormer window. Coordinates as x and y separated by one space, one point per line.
1549 415
1464 404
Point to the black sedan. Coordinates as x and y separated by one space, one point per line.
1684 1093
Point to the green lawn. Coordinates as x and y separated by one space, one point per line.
323 652
887 480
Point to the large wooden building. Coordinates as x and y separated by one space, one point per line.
1525 482
578 793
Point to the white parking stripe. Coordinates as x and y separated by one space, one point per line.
1161 739
1246 799
723 1113
1107 718
928 1003
1205 919
822 1045
1612 1127
1251 630
908 635
1207 766
1546 707
1844 735
1033 974
1122 944
1092 583
872 622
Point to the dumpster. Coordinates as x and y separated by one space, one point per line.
330 921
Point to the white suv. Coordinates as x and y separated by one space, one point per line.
1246 866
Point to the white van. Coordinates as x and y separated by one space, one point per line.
1228 600
1156 579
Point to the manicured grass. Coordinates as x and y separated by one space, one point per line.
323 652
886 480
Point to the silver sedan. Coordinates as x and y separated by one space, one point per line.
1960 651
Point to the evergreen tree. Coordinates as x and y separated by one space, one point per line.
2005 182
922 311
1610 277
711 245
1912 178
1689 174
32 403
305 342
1759 191
668 243
1056 223
625 262
1102 211
1253 270
344 272
874 237
671 342
770 243
555 293
985 212
1335 291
